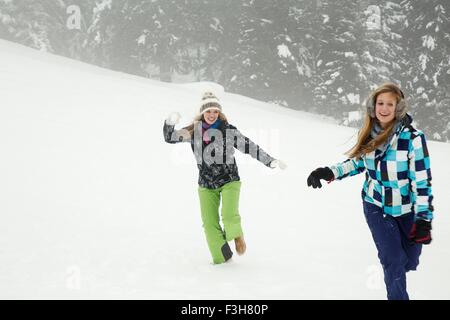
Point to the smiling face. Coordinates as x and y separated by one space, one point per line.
211 116
385 108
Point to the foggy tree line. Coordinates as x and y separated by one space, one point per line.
321 56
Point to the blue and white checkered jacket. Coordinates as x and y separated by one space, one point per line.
398 180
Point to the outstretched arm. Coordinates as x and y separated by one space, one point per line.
348 168
247 146
170 134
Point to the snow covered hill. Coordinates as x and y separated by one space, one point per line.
94 204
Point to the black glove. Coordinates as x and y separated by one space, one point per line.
421 232
320 173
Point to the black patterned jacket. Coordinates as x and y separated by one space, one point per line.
215 160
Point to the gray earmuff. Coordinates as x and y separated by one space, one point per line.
370 105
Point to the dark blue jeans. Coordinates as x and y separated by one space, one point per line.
396 252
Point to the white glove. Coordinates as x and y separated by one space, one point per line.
173 118
278 163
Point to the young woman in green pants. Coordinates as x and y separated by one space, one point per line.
213 140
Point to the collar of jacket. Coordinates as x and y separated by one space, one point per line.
215 125
399 127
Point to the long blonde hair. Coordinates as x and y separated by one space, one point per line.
190 128
365 143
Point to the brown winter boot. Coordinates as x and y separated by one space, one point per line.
240 245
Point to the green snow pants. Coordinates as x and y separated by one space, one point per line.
209 205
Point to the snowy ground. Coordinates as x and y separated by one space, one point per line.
94 204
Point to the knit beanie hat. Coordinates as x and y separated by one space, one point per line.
210 101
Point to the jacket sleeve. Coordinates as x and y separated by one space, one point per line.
247 146
175 136
419 174
348 168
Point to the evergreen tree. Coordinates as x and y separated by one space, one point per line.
428 34
44 25
30 23
382 52
339 72
304 23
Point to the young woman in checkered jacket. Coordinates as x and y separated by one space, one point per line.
397 195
